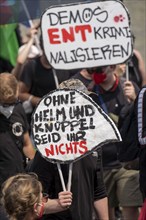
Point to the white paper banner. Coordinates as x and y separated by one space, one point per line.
86 34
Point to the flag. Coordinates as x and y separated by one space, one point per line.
20 11
9 43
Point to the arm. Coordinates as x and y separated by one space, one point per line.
28 148
22 57
101 208
57 205
24 94
141 66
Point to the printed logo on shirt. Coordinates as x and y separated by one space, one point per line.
17 129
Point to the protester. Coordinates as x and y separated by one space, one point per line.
15 144
23 200
122 185
141 118
87 183
27 51
37 79
134 135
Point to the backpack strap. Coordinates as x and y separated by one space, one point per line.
141 114
102 103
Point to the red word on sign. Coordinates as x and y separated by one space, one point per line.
71 148
57 36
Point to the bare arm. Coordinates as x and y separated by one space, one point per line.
22 57
101 208
141 65
57 205
28 148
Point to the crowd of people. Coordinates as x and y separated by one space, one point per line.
30 186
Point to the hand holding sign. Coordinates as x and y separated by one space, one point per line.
68 124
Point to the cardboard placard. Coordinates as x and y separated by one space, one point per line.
67 125
86 35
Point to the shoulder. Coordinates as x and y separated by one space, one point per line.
19 115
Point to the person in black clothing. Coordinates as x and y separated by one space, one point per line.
87 181
141 114
114 94
87 187
141 119
15 144
37 79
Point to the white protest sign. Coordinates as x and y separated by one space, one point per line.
84 35
67 125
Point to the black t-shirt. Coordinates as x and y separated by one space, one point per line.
39 79
12 131
87 184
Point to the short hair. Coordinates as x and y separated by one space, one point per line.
8 88
19 194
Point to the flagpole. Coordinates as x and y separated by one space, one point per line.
31 25
70 176
61 176
127 72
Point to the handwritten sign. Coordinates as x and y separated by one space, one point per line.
86 34
67 124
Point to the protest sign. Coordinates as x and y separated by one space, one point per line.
67 125
87 34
